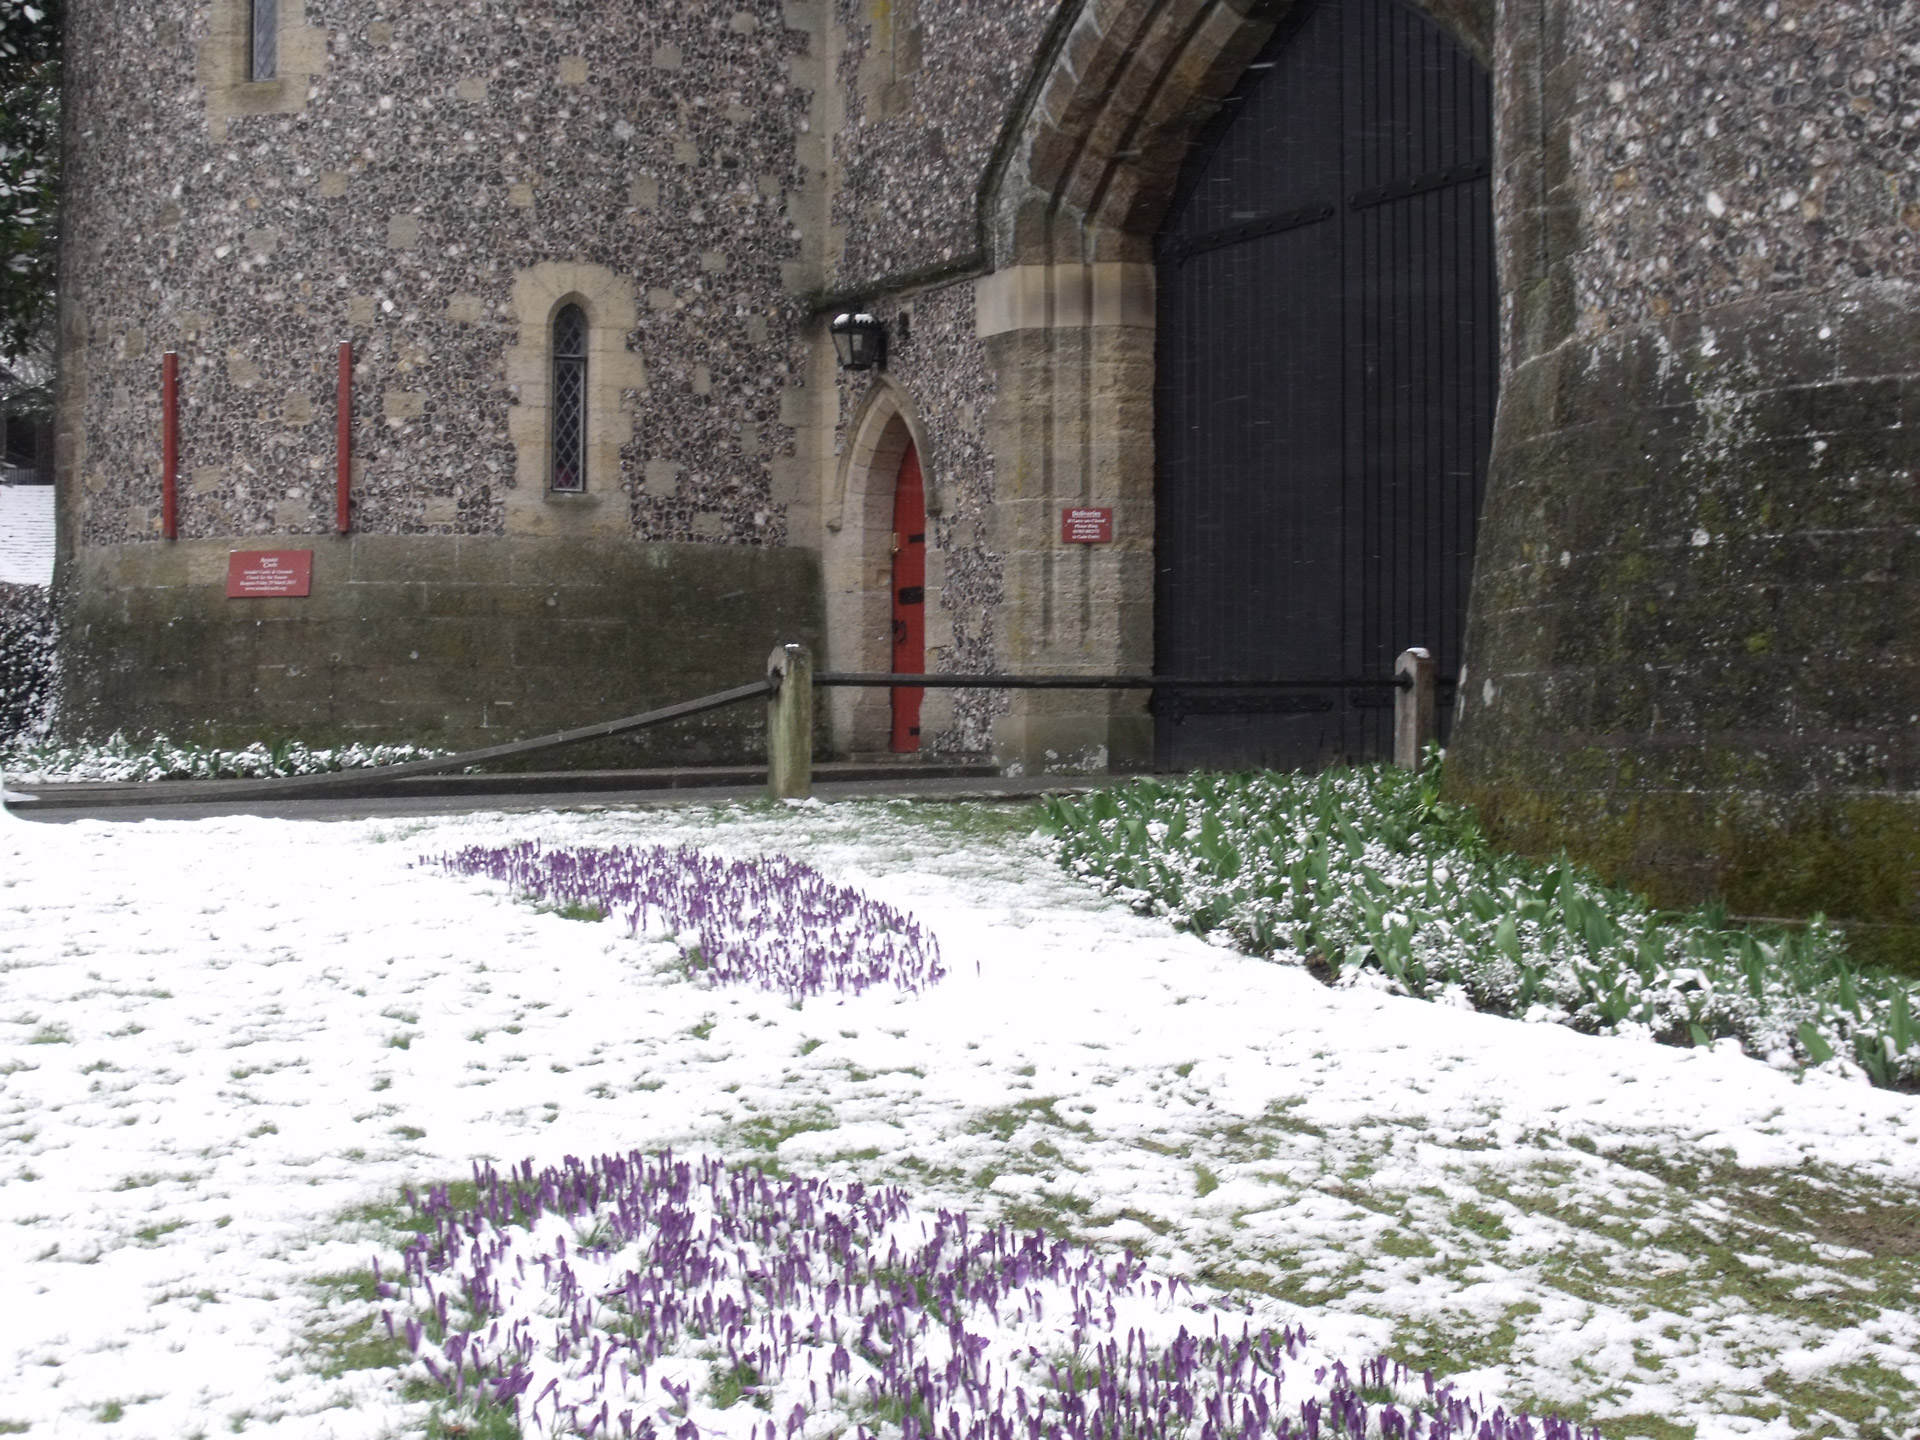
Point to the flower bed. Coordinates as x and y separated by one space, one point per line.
642 1295
119 759
771 922
1369 873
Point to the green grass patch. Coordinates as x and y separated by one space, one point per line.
731 1384
766 1133
347 1333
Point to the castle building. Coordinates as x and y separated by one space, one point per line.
1569 339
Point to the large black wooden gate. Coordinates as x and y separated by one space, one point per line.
1327 369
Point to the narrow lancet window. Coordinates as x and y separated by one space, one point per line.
570 400
263 40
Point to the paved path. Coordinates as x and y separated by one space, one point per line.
999 787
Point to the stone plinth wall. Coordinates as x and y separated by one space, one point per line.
459 641
1691 658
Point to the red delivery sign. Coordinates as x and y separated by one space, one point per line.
287 573
1086 526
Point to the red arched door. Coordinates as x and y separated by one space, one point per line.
909 598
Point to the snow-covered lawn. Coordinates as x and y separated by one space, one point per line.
226 1047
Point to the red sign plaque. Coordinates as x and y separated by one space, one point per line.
255 573
1086 526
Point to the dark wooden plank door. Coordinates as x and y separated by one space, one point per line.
1328 361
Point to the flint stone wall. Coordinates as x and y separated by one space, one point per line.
927 89
410 168
439 151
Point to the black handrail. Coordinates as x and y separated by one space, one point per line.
848 678
296 785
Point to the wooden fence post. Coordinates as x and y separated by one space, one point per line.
1416 708
790 723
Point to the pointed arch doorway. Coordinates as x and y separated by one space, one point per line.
1325 384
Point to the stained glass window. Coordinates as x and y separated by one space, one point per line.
570 399
263 62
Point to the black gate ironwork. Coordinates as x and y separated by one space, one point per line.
1327 373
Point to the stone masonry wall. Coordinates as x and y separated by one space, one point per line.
1690 655
1734 151
927 89
439 150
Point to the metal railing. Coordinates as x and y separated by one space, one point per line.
836 678
790 722
1415 685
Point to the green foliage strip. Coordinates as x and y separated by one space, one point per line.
1369 873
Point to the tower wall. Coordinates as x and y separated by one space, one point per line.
1690 658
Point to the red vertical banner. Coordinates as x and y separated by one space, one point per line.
343 443
170 445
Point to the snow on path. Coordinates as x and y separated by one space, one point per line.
218 1038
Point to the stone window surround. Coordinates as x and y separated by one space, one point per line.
224 64
616 378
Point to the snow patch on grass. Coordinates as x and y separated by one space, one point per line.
1660 1241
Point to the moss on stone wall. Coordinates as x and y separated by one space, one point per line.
1690 654
1853 858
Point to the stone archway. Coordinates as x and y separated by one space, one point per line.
1128 86
1068 317
858 563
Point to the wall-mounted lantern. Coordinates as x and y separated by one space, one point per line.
860 341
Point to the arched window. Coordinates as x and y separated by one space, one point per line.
263 47
570 399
